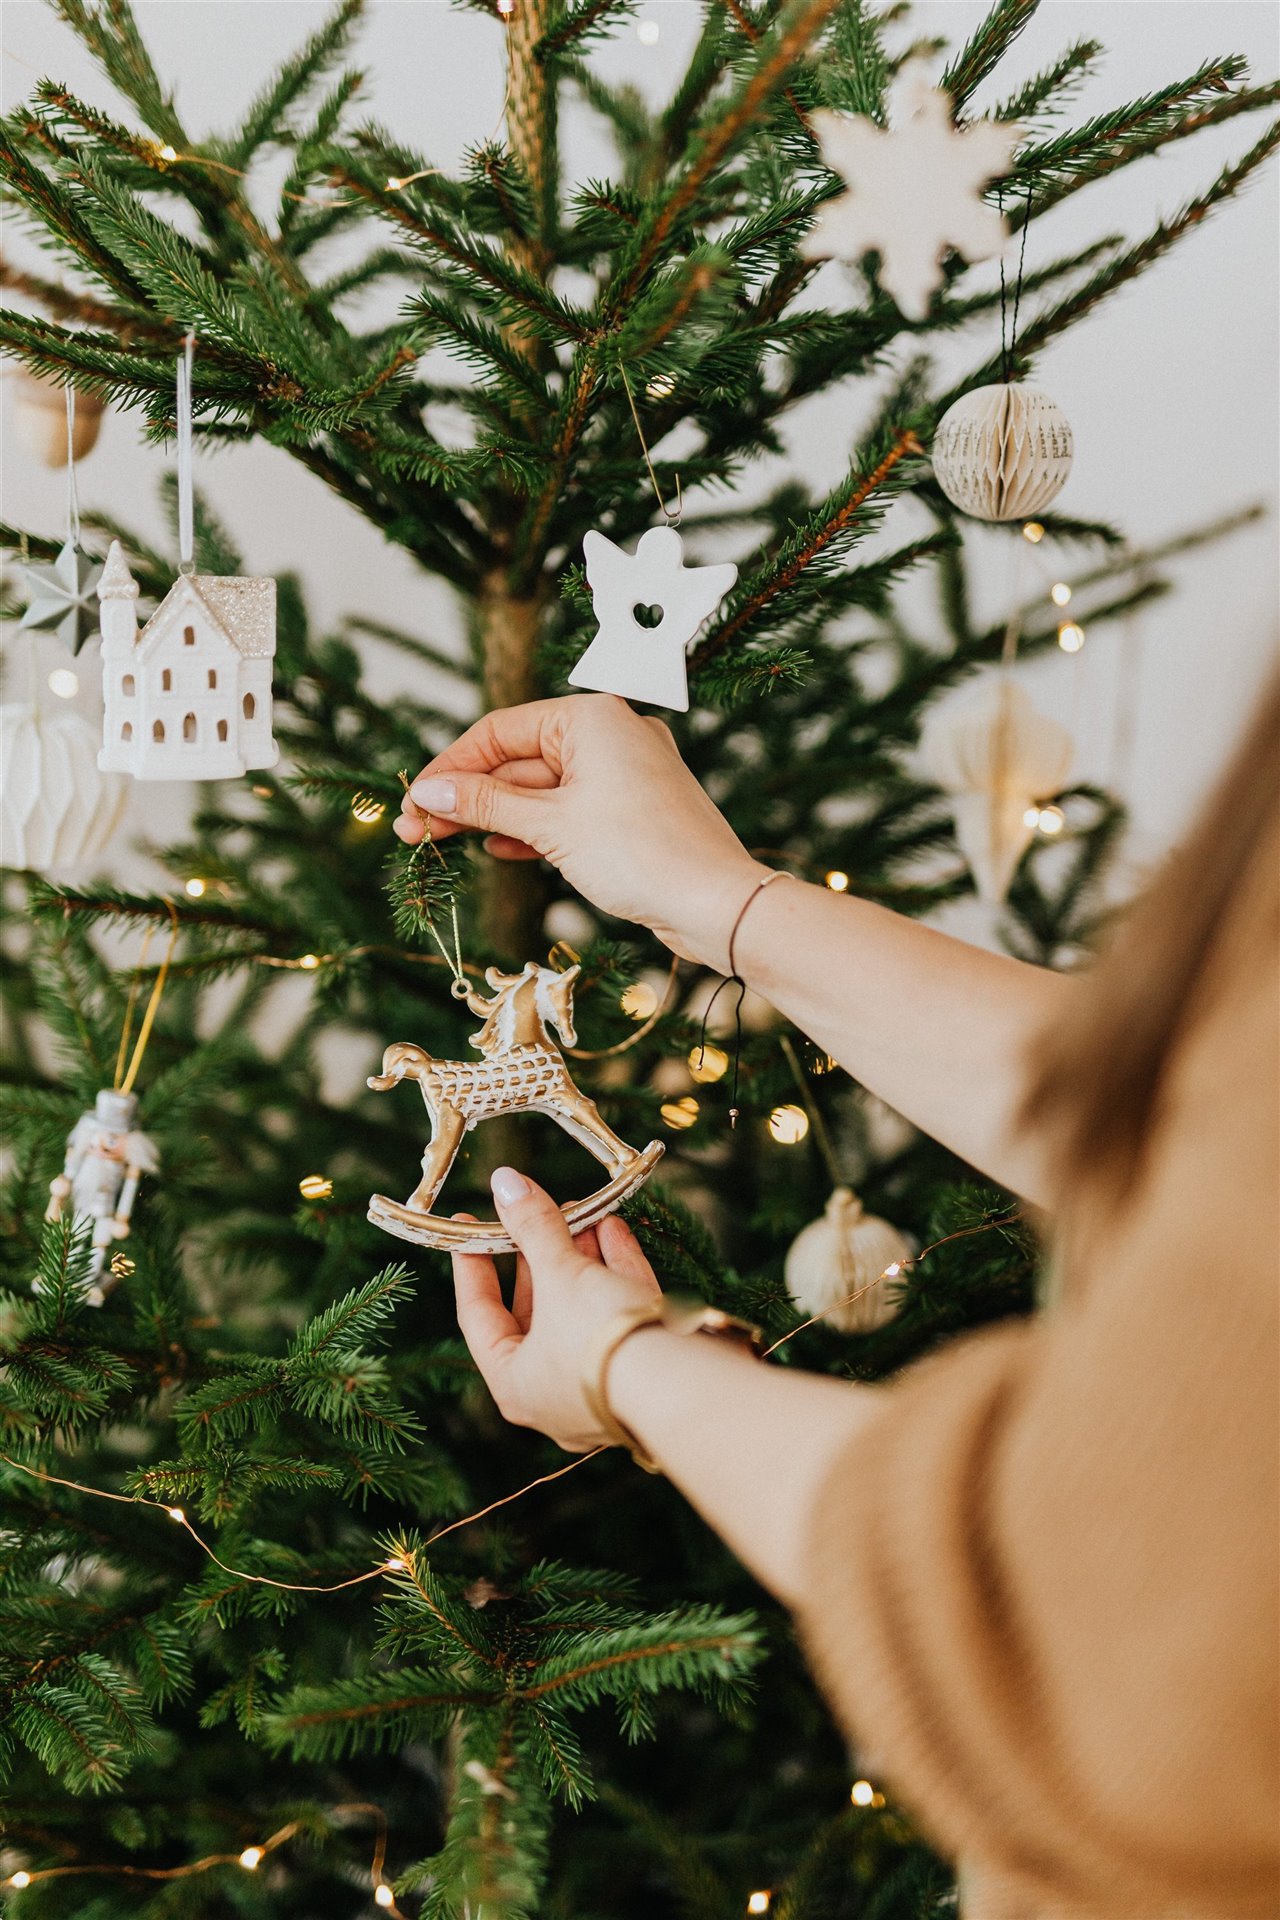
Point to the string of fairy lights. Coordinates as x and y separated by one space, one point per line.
404 1563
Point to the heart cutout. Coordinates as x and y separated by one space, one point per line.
648 616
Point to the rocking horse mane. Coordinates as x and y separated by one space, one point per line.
552 999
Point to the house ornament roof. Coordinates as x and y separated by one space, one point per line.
243 607
117 583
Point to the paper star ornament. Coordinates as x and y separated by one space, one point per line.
646 661
913 192
62 596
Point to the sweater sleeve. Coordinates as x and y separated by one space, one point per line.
1041 1581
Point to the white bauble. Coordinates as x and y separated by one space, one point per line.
1002 452
40 420
999 757
846 1253
56 809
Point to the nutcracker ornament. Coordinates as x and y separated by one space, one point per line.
521 1071
106 1159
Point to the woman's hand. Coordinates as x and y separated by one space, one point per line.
531 1356
603 794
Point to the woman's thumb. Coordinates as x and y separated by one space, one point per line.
475 800
534 1222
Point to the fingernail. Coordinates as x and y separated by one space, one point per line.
508 1186
437 796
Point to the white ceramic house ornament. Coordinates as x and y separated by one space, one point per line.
646 662
188 697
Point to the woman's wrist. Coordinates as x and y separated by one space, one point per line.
715 902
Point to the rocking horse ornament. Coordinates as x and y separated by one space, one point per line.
522 1071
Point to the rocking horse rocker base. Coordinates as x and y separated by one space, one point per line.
477 1236
521 1071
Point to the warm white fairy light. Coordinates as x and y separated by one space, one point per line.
1060 593
837 881
168 153
394 1565
647 32
309 962
680 1114
1070 636
1033 532
195 888
394 184
64 683
315 1186
251 1858
788 1125
506 8
639 1000
1051 820
862 1793
367 808
708 1063
20 1879
383 1895
760 1901
892 1271
177 1514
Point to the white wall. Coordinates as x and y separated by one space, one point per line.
1172 388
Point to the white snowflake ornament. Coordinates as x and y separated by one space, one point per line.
914 191
646 661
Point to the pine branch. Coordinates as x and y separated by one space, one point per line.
1117 273
581 23
266 118
841 521
1047 92
985 48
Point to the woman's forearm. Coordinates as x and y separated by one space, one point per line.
935 1027
749 1445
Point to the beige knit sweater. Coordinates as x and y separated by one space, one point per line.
1043 1581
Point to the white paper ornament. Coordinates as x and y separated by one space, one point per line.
40 421
846 1253
914 192
1003 452
188 697
639 662
999 758
57 811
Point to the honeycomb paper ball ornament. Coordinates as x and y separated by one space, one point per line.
40 420
56 810
1002 452
846 1253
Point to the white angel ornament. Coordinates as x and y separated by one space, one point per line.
646 661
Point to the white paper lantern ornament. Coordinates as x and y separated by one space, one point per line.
57 811
1003 452
1000 759
189 696
845 1265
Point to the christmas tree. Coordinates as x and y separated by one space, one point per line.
276 1638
